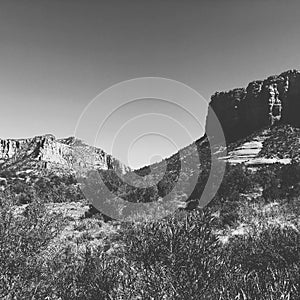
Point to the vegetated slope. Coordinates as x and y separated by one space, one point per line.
47 166
284 142
251 119
244 244
47 162
265 148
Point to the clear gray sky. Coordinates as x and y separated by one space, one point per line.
57 55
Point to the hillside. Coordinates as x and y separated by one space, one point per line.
241 242
46 166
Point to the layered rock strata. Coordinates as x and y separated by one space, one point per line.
263 103
50 151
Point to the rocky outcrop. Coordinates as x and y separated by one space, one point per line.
9 147
263 103
47 151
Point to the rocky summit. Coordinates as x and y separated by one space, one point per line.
267 102
47 152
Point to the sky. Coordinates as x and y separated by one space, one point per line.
56 56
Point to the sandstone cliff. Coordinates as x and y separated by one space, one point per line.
263 103
48 152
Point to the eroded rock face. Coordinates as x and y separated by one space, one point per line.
263 103
49 151
227 108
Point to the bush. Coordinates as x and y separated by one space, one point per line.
279 181
175 258
22 240
236 180
229 212
179 257
89 275
263 265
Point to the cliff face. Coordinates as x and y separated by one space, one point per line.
264 102
47 151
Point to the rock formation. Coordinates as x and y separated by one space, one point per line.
263 103
47 151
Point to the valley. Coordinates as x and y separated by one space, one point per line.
243 244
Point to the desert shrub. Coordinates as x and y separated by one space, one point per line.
23 237
87 275
33 266
236 180
175 257
58 189
20 187
290 179
229 211
7 173
263 265
283 143
274 247
178 257
279 181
